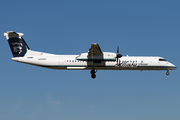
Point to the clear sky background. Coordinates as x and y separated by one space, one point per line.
139 27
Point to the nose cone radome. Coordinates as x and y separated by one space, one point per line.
175 67
172 67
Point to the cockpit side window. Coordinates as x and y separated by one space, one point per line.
162 59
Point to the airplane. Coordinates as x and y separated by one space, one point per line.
93 60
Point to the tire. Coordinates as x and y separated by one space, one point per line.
93 76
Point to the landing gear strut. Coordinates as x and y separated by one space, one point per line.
167 72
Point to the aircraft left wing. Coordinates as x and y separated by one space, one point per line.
95 54
95 50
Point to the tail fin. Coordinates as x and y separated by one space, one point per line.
17 44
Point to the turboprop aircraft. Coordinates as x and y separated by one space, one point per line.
93 60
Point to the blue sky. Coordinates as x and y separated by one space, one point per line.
140 28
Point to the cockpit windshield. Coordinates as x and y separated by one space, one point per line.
161 59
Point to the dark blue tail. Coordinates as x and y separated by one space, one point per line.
17 44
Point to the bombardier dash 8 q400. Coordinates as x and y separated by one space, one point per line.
93 60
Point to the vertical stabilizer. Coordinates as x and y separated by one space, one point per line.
17 44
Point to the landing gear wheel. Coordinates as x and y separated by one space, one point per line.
93 76
167 72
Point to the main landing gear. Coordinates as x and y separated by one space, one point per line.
93 71
93 75
167 73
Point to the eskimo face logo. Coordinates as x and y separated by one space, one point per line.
17 47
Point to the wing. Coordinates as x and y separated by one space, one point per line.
95 50
95 54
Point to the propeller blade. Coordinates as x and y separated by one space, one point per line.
118 55
118 50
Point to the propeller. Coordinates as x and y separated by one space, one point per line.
118 55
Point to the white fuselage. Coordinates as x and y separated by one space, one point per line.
70 62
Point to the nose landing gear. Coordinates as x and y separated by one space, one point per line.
167 73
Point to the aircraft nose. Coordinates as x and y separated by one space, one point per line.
173 67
